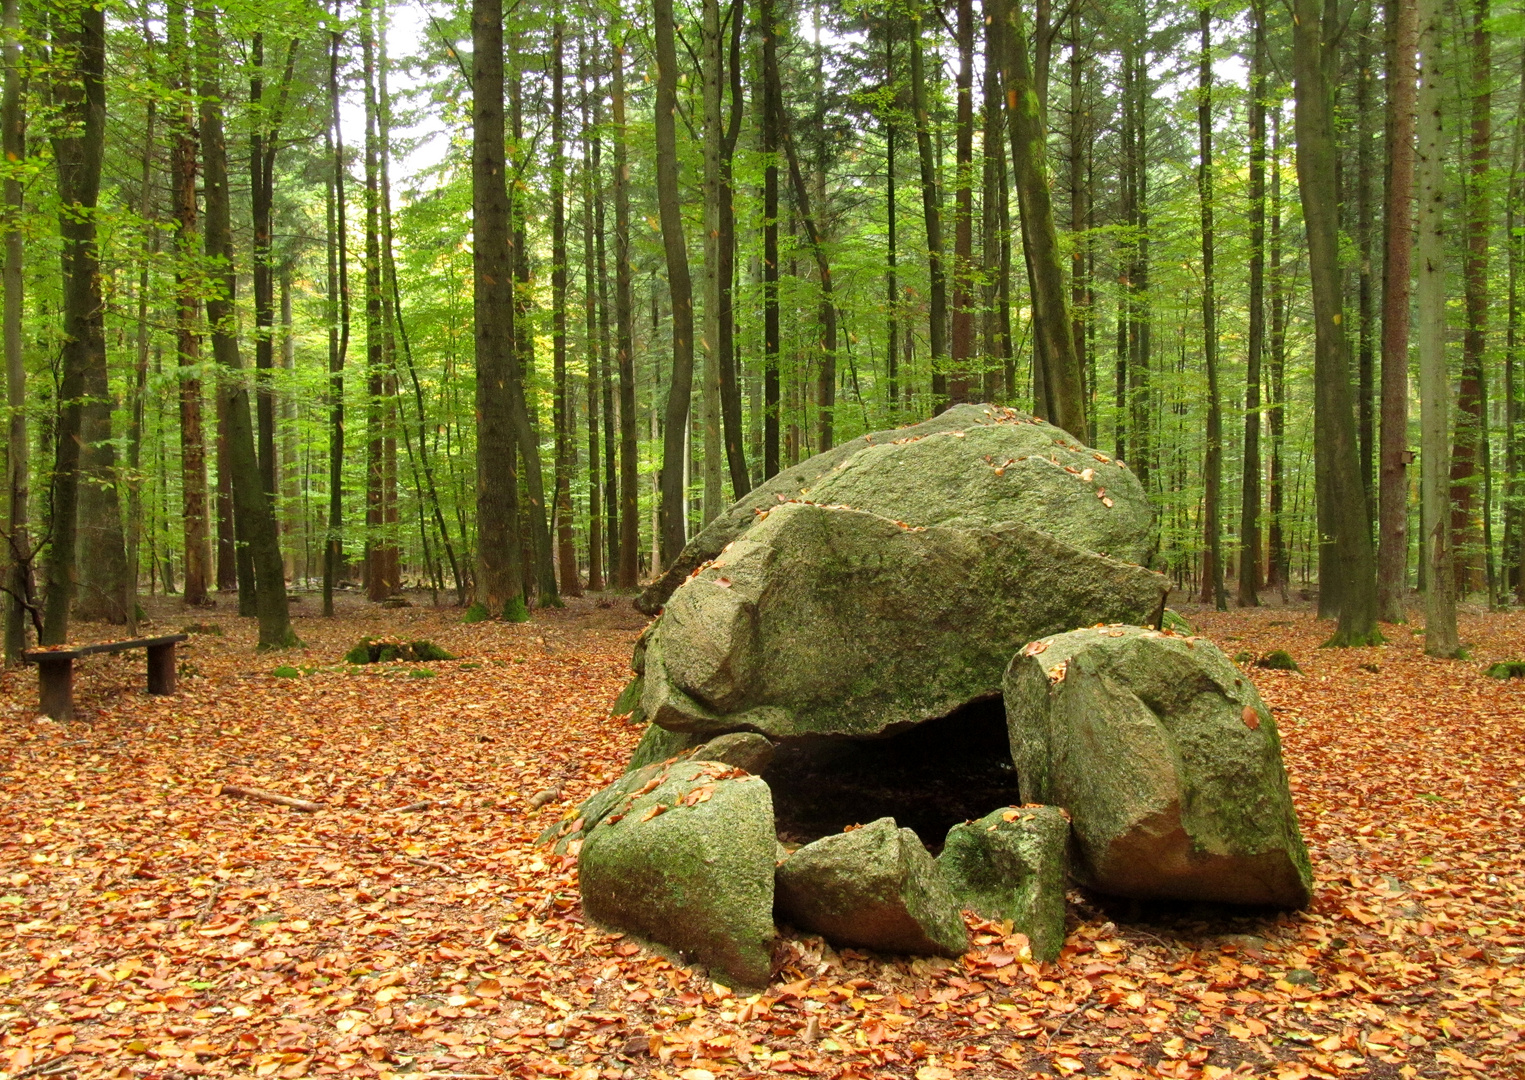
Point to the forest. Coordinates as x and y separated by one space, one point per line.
505 302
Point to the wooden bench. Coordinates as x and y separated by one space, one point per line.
55 669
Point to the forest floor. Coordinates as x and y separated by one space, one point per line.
151 927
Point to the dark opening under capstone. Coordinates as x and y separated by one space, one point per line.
928 777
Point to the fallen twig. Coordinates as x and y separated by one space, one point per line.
304 805
435 866
414 807
46 1068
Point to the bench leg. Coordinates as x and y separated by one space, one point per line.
161 668
55 685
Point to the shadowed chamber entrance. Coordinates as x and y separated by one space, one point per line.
928 778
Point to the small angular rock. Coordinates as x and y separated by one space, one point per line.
689 866
743 749
1011 864
874 887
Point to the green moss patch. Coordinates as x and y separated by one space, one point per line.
385 650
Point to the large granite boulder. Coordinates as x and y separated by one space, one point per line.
970 465
1167 761
1011 864
828 620
689 865
874 887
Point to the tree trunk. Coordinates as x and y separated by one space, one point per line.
1278 556
1514 256
1469 442
80 95
20 605
992 201
564 419
1249 514
590 330
713 79
680 289
770 141
932 217
338 331
730 367
252 505
1440 636
827 380
382 576
1212 583
961 344
1346 514
606 371
499 584
140 368
624 312
1063 382
193 469
1365 296
1398 242
1079 139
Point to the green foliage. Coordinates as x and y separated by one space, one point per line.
476 613
286 671
1278 660
1507 669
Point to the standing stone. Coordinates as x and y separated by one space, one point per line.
874 887
689 865
1011 864
1168 762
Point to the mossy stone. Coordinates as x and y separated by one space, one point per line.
1012 864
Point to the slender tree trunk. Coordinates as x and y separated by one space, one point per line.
1398 241
624 313
590 330
606 370
1313 33
1079 137
1249 514
1440 636
1064 383
541 551
1212 584
961 345
499 582
1514 257
1278 558
193 469
389 267
80 97
252 505
1365 293
680 289
382 577
564 419
1470 444
827 383
20 603
993 197
713 78
729 366
338 331
932 217
770 141
140 368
